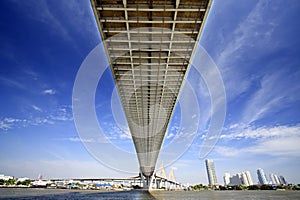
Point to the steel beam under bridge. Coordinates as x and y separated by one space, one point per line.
149 44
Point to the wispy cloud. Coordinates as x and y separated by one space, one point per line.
258 92
252 31
47 16
38 121
9 123
84 140
55 19
277 90
114 132
49 91
12 83
47 117
286 147
31 73
171 132
275 141
169 135
251 38
36 108
4 125
63 113
262 132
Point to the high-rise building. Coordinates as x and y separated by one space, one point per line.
261 177
282 180
249 177
274 179
236 179
243 178
226 178
211 173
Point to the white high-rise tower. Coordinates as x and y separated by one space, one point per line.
261 177
249 178
226 178
211 173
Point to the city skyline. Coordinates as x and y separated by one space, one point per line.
254 44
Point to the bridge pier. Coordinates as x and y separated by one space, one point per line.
146 182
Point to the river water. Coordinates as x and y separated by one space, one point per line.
53 194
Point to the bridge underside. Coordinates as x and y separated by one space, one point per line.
149 44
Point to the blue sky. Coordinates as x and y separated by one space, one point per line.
254 44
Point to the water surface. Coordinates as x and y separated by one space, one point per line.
47 194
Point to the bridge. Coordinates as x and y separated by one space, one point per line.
149 46
159 181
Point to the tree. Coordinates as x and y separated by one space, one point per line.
25 182
253 187
10 182
266 187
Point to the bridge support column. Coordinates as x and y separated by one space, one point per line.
146 181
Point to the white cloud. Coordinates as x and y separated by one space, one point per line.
61 114
84 140
36 108
263 132
54 18
276 92
5 126
49 91
174 128
169 135
61 118
48 17
9 123
233 126
251 38
125 135
114 132
11 120
252 31
32 74
279 146
227 151
39 121
274 141
12 83
269 88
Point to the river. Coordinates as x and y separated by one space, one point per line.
59 194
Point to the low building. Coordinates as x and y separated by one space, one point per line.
6 178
